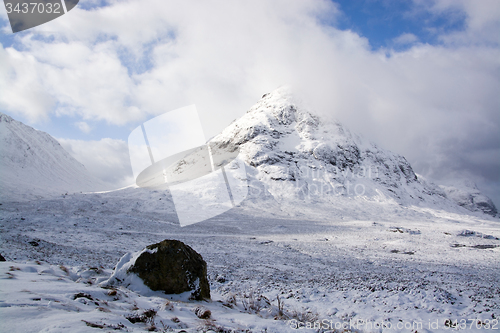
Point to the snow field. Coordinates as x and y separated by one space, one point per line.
418 267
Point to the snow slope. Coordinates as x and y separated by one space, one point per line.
406 267
34 165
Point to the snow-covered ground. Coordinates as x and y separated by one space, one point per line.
414 266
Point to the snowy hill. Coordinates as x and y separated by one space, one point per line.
303 163
34 165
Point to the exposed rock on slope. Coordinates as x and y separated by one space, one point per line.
33 164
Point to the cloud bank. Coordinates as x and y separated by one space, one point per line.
127 61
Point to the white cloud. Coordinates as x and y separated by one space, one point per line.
406 38
83 126
133 59
481 18
22 89
478 13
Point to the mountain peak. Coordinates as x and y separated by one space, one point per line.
5 118
284 106
281 134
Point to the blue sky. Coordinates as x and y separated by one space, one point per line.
381 21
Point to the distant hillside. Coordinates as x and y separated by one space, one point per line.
470 197
34 165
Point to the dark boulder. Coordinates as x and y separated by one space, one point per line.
169 266
173 267
2 258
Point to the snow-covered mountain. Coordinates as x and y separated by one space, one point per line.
298 164
470 197
298 159
33 164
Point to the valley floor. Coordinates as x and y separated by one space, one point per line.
429 271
